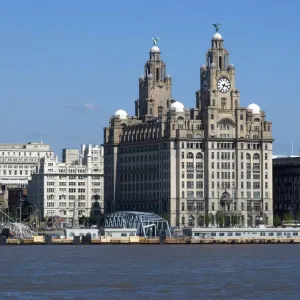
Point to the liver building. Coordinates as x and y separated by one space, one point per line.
206 166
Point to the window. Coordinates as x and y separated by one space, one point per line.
190 184
242 206
212 126
266 207
212 116
256 185
266 156
190 155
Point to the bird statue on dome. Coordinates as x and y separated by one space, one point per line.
155 40
217 26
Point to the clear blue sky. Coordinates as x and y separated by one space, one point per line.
57 56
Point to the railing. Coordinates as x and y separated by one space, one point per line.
18 230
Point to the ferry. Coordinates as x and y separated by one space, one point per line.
260 232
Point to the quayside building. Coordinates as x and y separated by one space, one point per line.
191 165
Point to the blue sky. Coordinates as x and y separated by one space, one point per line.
66 66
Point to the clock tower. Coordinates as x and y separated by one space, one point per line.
155 87
217 79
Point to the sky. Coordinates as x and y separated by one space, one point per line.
67 66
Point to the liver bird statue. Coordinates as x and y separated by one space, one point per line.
217 26
155 40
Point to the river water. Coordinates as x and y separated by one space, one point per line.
150 272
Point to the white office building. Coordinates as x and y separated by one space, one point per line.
56 185
19 161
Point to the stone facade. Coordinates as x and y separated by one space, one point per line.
19 161
56 185
213 161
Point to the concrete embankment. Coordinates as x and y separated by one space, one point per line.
47 240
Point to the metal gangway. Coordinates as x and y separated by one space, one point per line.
18 230
145 223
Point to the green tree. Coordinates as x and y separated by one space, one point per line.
82 220
234 220
288 217
207 219
276 221
220 219
298 216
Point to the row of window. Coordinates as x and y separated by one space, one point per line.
16 173
64 204
73 197
24 153
199 194
71 190
200 206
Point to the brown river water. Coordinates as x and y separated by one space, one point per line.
150 272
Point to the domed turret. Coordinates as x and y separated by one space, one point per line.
217 36
122 114
254 107
154 49
177 106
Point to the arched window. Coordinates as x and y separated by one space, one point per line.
256 156
190 155
241 117
248 156
199 155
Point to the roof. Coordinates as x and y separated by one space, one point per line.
286 161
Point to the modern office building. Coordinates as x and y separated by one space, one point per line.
286 185
210 162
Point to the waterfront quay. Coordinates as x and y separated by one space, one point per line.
134 240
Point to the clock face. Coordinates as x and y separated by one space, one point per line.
224 85
205 85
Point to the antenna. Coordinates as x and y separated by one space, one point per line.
292 148
41 138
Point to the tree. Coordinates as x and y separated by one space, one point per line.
82 220
234 220
288 217
276 221
220 219
298 216
207 219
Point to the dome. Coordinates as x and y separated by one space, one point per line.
177 106
122 114
254 107
154 49
217 36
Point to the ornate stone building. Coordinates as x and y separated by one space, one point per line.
213 161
